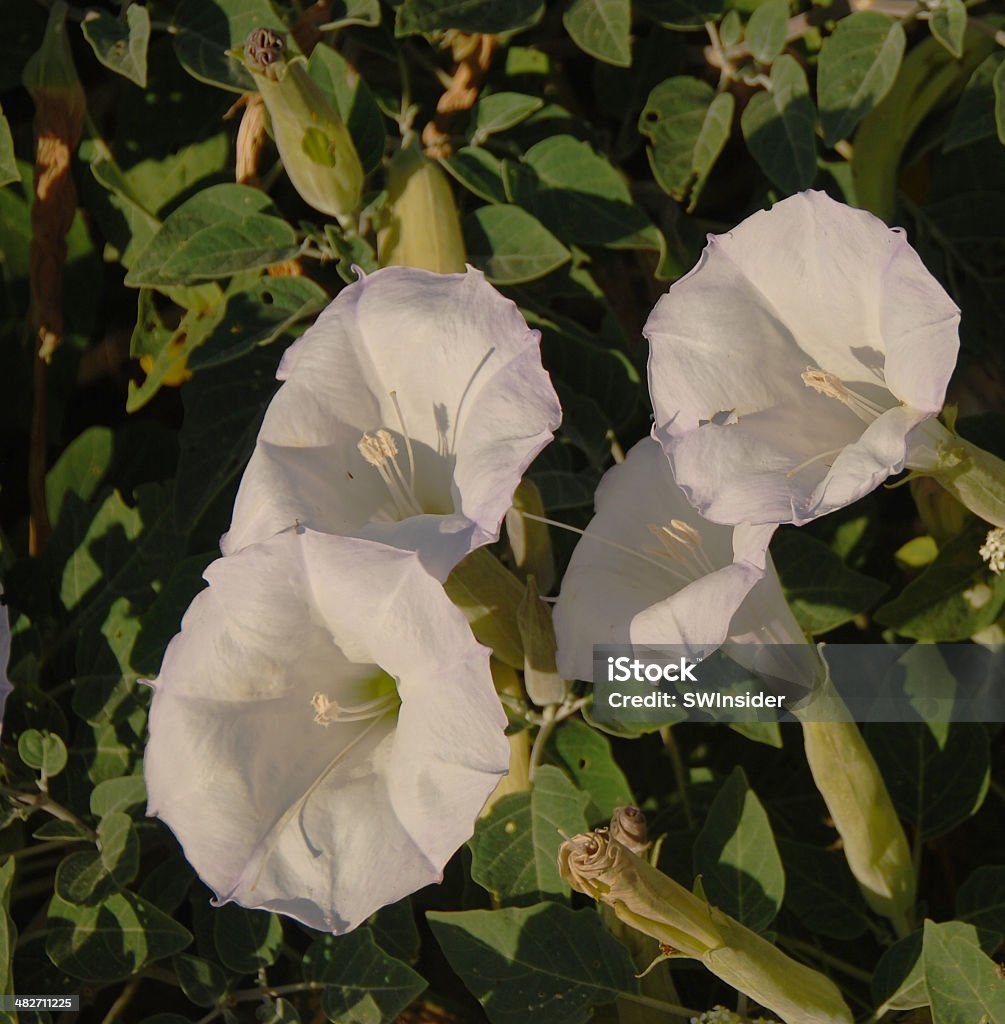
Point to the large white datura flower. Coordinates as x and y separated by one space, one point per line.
790 366
650 571
324 729
408 415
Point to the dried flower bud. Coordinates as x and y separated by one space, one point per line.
630 828
653 903
313 141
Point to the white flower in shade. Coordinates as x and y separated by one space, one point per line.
324 730
408 415
650 571
789 367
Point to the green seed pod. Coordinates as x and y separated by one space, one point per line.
422 228
313 140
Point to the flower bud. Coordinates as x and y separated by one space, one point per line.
313 140
942 515
630 828
650 901
423 228
537 633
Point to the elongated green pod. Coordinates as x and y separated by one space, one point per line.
313 140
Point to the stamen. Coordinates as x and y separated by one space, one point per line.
408 440
814 458
381 451
681 543
327 711
831 386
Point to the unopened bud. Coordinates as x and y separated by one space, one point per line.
630 828
313 140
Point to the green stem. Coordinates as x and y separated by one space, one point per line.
826 958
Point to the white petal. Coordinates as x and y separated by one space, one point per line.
274 810
478 406
611 595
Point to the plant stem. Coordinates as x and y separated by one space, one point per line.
826 958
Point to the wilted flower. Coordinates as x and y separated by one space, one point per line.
409 413
324 729
789 367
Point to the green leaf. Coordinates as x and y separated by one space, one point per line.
8 931
282 1011
87 877
586 755
167 885
112 940
8 162
500 111
544 964
220 231
204 32
899 981
998 85
510 245
964 984
258 315
736 856
479 172
43 751
601 28
780 127
821 892
246 940
201 980
857 66
120 47
352 98
974 116
981 899
80 469
766 30
224 407
427 16
824 592
953 598
687 124
118 795
576 193
352 12
363 985
948 23
682 14
514 851
937 774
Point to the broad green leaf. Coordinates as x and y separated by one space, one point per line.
586 755
43 751
964 984
118 795
256 316
220 231
680 118
821 892
576 193
479 172
246 940
8 162
119 847
395 931
511 245
899 980
998 85
224 407
824 592
974 116
205 31
352 98
952 599
736 856
363 985
352 12
499 111
514 851
766 30
8 931
201 980
858 64
682 14
167 885
779 125
981 899
715 132
428 16
282 1011
80 469
601 28
937 774
112 940
948 23
544 964
87 877
122 47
